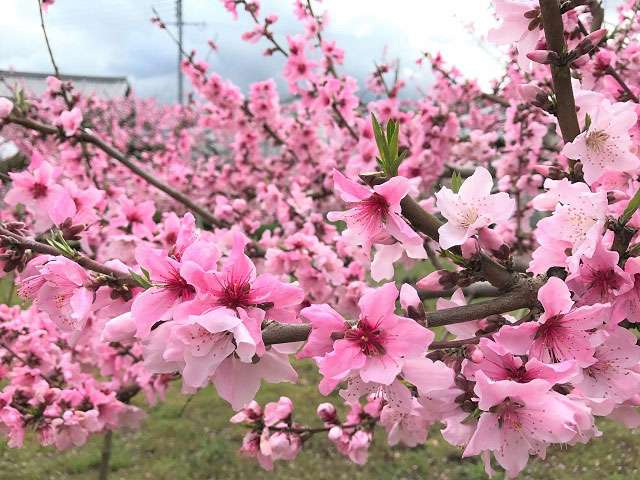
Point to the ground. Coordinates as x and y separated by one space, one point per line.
200 443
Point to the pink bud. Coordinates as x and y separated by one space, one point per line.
529 92
545 57
543 170
490 240
595 37
409 297
580 61
6 106
327 412
335 433
438 281
469 248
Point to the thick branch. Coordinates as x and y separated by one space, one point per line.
561 74
85 136
525 296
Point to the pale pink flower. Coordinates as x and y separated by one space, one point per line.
377 346
375 214
576 225
62 289
203 342
562 331
472 208
606 144
409 428
519 419
70 121
279 411
514 28
613 375
238 382
37 190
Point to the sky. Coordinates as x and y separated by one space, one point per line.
115 37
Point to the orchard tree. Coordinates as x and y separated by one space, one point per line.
467 260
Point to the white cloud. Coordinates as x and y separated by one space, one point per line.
104 37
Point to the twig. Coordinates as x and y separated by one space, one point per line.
85 136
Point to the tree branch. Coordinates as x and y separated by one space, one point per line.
561 74
85 136
82 260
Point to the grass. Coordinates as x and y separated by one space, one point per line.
201 444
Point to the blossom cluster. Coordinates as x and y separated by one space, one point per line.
213 243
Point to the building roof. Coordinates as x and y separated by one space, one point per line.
108 87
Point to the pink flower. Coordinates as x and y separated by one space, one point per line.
203 342
520 419
562 331
408 428
613 375
136 216
6 106
576 225
627 305
170 288
377 346
472 208
239 288
280 411
515 27
237 382
497 363
61 288
599 279
606 144
37 190
325 322
70 121
375 214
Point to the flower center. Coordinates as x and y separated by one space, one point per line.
236 294
179 286
39 190
369 338
549 332
597 140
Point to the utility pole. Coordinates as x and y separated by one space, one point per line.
180 23
180 26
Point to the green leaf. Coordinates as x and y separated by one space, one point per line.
393 147
57 241
587 122
456 181
381 141
141 280
633 205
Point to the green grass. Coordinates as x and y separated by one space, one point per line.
202 444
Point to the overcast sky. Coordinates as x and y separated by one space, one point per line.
115 37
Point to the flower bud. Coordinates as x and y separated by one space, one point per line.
327 412
438 281
545 57
589 42
335 433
